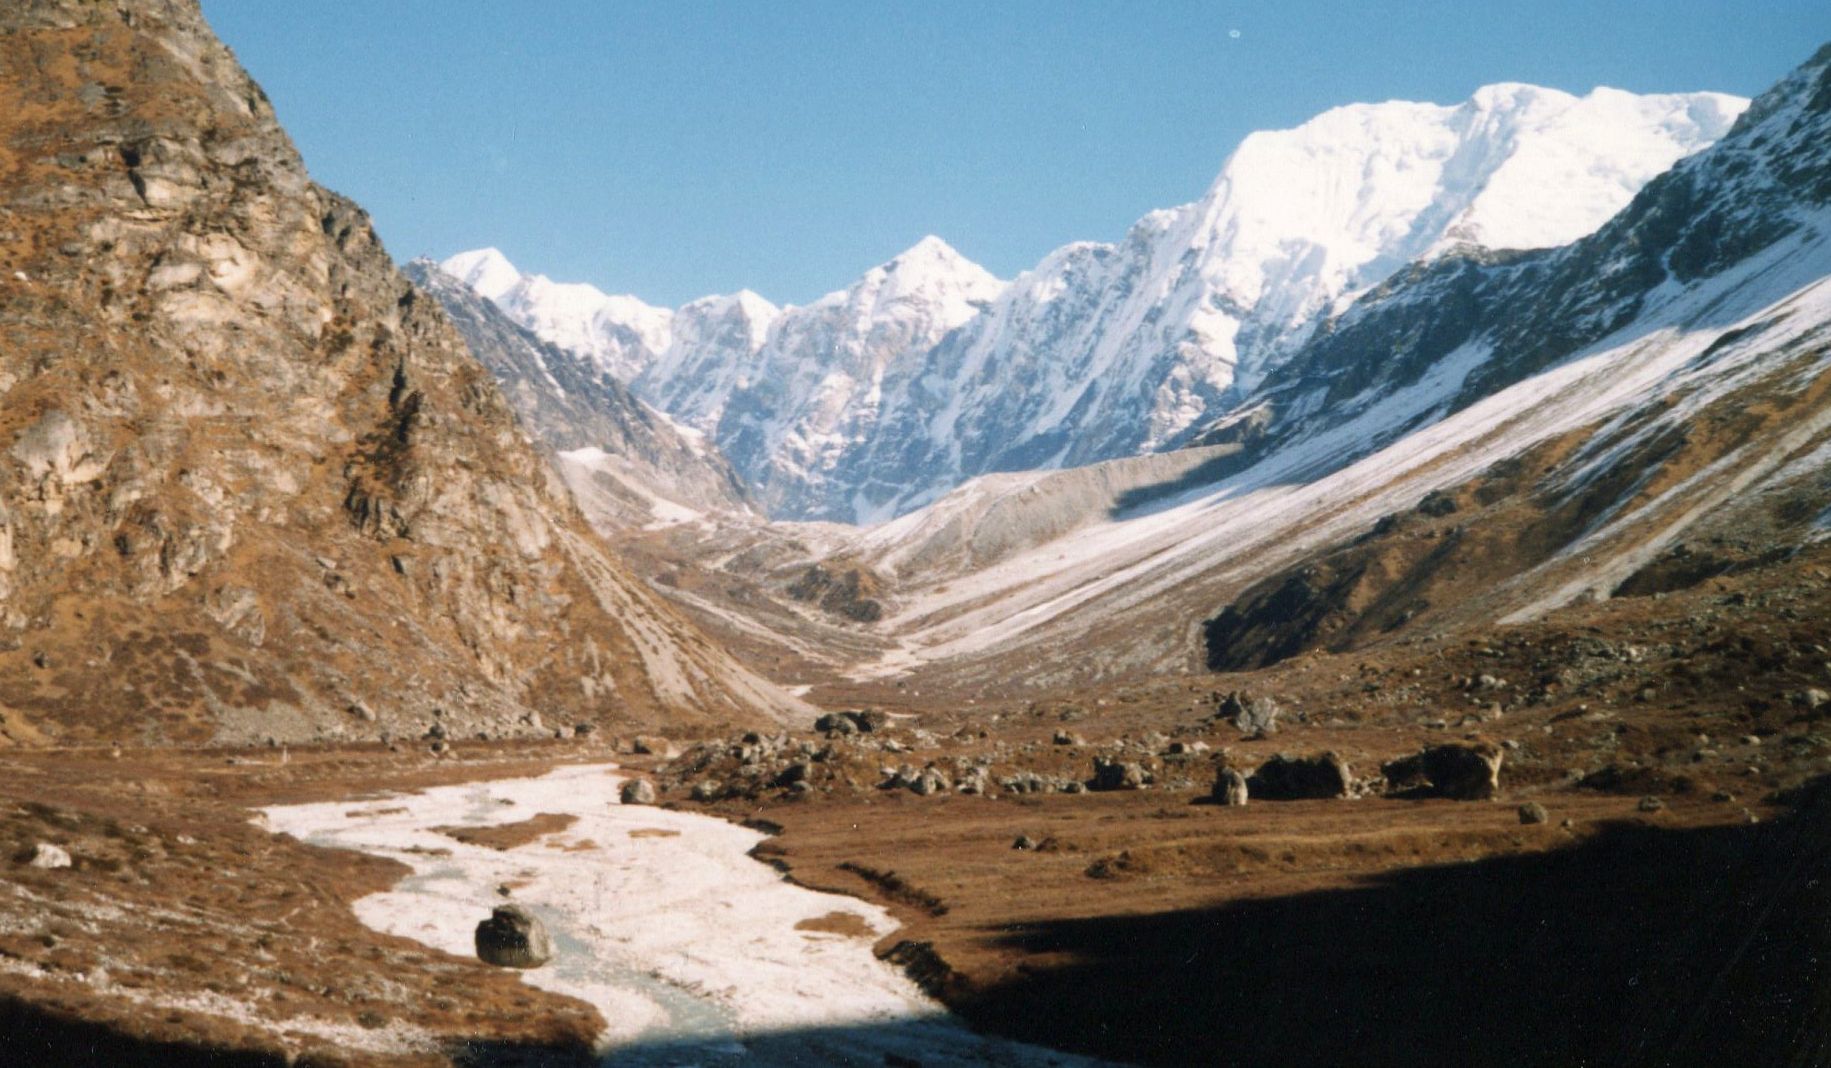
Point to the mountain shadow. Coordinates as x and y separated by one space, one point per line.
1640 947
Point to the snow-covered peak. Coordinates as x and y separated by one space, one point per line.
619 333
1306 215
930 281
1570 163
486 271
1303 219
744 311
729 325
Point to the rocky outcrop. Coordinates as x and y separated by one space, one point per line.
862 720
849 592
1293 778
1230 787
1465 772
252 479
45 855
1111 774
513 937
1252 716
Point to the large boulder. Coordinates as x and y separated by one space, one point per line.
513 937
638 792
930 781
870 719
1119 775
1230 787
654 745
1252 716
1293 778
1466 772
46 855
924 781
836 723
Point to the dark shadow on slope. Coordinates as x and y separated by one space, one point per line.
1640 947
908 1044
1139 500
32 1035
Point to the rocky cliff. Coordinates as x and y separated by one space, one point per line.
254 485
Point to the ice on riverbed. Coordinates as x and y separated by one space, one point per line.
686 945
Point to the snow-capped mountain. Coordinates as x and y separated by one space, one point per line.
712 354
1485 438
788 394
928 371
620 334
807 402
1111 350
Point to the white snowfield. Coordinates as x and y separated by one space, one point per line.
686 946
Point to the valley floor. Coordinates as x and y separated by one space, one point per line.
1669 910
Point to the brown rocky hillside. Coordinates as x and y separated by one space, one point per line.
252 485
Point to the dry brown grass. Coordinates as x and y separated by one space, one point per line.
510 835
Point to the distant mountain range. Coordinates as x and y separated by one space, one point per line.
927 371
1405 366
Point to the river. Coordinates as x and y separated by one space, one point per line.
689 948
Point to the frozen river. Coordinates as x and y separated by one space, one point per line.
694 953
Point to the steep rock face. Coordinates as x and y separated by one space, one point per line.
629 465
253 484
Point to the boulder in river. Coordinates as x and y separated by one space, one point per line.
513 937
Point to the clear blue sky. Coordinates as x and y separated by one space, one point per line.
680 147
